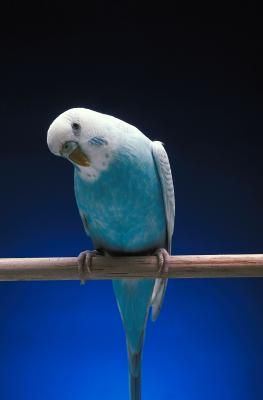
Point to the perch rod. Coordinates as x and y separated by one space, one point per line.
190 266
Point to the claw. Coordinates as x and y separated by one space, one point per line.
162 256
84 261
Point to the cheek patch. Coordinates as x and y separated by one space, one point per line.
98 141
101 150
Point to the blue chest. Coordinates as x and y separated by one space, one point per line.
124 208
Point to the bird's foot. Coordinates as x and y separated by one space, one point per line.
84 262
162 257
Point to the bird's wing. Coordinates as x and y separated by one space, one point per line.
84 220
165 175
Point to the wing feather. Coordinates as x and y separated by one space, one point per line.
165 175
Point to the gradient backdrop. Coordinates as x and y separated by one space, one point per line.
191 81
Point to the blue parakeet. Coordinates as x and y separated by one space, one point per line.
125 196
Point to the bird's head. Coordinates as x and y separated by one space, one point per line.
83 137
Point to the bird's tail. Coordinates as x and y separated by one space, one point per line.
134 300
134 373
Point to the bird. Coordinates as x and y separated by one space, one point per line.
125 196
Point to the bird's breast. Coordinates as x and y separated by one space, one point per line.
124 208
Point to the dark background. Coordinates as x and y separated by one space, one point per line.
191 78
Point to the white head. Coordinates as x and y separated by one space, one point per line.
85 138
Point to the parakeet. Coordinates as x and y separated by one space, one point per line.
125 196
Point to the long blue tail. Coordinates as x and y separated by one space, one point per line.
135 360
134 299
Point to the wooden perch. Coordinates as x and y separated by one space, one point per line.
195 266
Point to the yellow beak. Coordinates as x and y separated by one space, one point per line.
78 157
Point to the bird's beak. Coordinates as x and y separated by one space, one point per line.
79 158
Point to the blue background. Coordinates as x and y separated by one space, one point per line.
191 81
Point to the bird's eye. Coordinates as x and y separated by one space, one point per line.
75 126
